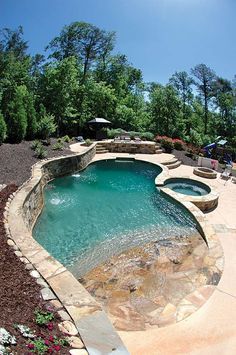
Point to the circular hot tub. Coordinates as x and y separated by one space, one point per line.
205 172
191 190
187 186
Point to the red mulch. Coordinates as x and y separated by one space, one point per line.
19 292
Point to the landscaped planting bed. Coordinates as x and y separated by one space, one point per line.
21 303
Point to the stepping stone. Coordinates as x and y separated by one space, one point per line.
47 294
68 327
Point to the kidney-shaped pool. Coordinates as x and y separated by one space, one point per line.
107 208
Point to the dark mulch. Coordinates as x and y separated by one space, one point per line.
181 155
16 160
19 292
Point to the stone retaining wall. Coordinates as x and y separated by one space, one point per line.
46 171
131 147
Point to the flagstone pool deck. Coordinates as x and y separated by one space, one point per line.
212 328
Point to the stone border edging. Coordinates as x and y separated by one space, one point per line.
95 328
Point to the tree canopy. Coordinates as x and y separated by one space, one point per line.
80 76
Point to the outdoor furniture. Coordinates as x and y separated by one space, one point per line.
117 139
79 139
137 139
233 179
226 173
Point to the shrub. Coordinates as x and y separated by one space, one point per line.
3 129
147 135
88 142
46 126
58 145
168 145
66 139
35 144
112 133
40 152
134 134
42 317
178 144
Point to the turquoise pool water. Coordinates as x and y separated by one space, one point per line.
187 187
105 209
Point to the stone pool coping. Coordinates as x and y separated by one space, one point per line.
96 330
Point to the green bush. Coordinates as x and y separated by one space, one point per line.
147 135
46 126
3 129
66 139
112 133
167 145
40 152
58 145
88 142
134 134
35 144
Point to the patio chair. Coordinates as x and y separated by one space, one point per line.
137 139
117 139
80 139
226 173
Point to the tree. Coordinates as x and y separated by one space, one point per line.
59 90
183 84
31 115
165 108
11 42
84 41
16 116
3 129
205 77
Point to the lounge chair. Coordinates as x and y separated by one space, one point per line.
117 139
79 139
227 172
137 139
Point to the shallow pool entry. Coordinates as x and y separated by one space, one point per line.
110 207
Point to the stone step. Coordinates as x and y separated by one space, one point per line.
171 161
102 151
159 151
174 165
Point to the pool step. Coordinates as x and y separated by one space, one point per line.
102 151
174 164
171 161
101 148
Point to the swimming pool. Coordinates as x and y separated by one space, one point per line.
107 208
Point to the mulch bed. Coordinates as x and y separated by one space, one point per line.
19 292
16 160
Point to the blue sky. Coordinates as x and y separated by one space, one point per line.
158 36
